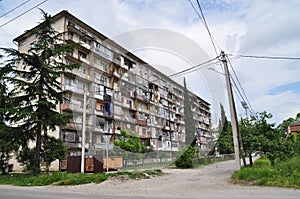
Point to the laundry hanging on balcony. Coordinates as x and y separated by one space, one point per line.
107 106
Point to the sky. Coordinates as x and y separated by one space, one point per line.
169 35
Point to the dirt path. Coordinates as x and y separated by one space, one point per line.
209 182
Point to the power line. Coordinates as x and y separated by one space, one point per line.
205 24
202 18
194 68
22 13
234 85
243 90
14 9
266 57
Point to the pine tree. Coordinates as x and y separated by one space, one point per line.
37 91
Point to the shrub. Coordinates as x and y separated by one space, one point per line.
185 160
262 162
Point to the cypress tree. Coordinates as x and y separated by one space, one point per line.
190 127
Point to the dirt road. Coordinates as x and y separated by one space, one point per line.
211 181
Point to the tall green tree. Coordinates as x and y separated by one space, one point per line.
187 154
189 121
270 141
9 138
250 136
37 91
283 127
225 141
223 121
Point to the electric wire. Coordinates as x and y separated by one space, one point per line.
239 94
14 9
202 18
23 13
214 43
243 96
266 57
194 68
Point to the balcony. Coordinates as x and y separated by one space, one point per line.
98 112
84 60
85 45
124 66
118 117
98 129
142 122
87 145
103 54
73 88
67 107
99 146
98 96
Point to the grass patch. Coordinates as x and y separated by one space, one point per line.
138 174
63 178
282 174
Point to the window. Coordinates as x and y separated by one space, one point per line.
99 106
68 81
98 89
80 85
32 45
82 70
103 51
82 55
70 35
69 136
118 110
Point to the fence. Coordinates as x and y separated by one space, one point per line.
149 163
211 159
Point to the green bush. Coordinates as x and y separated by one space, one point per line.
185 160
262 162
283 174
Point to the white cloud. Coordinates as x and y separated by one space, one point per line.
259 27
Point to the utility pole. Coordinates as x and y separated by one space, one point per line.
232 113
83 134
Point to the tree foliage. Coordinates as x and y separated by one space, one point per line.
185 159
131 143
9 138
225 140
260 135
190 128
37 90
52 149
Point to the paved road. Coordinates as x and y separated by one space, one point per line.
210 182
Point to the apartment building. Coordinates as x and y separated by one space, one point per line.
123 92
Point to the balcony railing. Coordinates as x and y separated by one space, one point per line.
103 54
73 88
84 60
71 107
142 122
85 45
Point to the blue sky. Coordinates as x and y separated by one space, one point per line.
290 87
256 27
